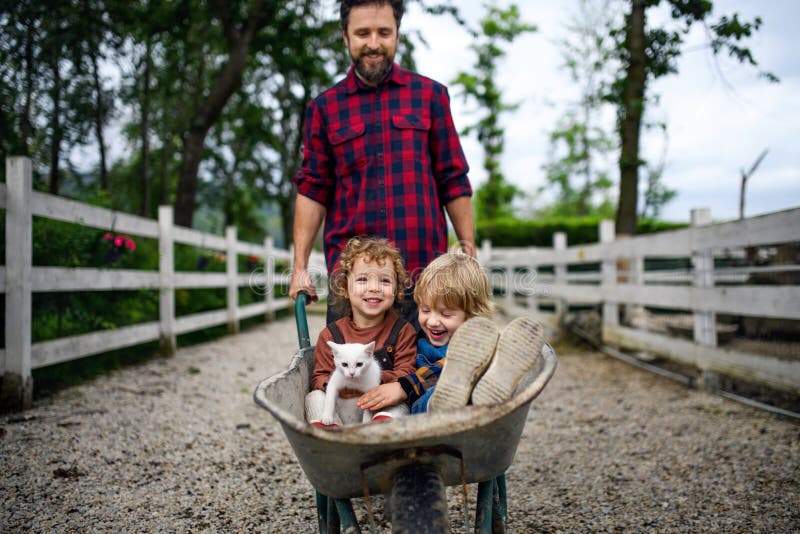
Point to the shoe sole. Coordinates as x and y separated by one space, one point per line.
518 350
468 355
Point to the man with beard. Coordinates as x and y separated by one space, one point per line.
381 157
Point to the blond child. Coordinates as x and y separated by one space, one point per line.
368 282
462 357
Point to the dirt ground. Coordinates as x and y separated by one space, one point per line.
178 445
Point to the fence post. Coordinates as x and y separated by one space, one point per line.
16 388
167 343
269 277
232 271
635 313
509 294
705 332
608 269
533 303
485 254
705 329
560 273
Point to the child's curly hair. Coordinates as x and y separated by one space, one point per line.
371 249
457 281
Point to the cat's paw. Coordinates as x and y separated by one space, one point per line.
325 420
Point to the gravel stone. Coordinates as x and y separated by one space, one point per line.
178 445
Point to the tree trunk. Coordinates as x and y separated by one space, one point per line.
631 123
25 118
227 81
166 153
99 118
55 127
144 205
287 216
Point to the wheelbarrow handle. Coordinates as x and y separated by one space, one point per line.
302 321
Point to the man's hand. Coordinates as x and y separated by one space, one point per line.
468 248
381 397
301 281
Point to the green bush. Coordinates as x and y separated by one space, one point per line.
539 232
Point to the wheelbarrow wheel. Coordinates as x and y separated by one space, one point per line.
419 501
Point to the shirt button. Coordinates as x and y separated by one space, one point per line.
380 182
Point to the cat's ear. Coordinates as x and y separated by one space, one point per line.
334 346
369 348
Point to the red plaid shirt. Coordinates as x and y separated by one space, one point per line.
384 161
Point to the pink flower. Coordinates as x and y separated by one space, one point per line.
120 241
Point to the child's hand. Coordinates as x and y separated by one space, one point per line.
382 396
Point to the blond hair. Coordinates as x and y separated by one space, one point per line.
456 280
372 250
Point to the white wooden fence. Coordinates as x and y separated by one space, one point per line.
523 276
19 279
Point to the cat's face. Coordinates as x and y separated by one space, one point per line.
352 358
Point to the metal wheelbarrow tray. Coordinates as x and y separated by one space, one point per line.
476 441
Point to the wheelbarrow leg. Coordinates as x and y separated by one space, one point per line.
346 516
323 515
336 514
483 507
491 507
499 505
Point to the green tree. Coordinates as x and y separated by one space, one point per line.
209 95
580 143
493 199
649 53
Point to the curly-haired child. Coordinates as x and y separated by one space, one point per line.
368 282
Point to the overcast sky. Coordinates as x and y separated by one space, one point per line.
716 126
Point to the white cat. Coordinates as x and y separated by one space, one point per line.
354 368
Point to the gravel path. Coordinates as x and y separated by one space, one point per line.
178 445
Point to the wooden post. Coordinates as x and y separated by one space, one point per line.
705 332
560 271
167 344
608 269
509 288
269 277
16 389
485 253
232 270
635 313
532 275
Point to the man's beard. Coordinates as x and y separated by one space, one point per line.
374 74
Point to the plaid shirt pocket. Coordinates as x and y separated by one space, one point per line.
413 139
348 145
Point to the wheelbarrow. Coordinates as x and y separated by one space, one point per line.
411 459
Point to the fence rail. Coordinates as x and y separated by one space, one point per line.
19 278
617 283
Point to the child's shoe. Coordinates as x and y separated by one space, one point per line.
518 349
320 424
468 354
